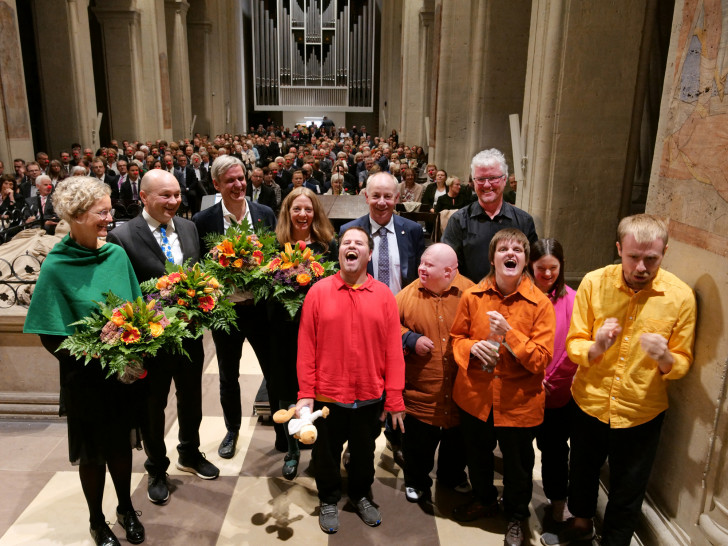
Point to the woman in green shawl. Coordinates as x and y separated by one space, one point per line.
101 413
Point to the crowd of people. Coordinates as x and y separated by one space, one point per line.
465 345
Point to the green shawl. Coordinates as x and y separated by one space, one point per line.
71 279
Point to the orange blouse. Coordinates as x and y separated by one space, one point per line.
514 389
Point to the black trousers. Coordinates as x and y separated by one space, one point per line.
516 445
187 376
252 324
552 438
631 452
357 425
420 441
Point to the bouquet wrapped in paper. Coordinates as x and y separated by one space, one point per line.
121 334
236 258
291 273
198 297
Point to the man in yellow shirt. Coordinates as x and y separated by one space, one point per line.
632 330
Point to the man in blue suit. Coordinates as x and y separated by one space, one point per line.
404 241
228 177
398 246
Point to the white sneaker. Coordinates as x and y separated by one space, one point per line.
412 494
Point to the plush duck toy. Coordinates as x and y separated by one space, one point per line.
301 428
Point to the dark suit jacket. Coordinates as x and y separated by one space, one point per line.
47 213
144 252
267 196
112 180
410 243
210 220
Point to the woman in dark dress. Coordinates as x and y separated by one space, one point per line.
12 202
301 219
454 198
101 413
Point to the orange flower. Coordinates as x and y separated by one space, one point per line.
303 279
224 261
174 277
207 303
317 269
156 329
130 335
238 263
162 283
181 302
307 254
191 293
226 248
258 257
213 283
286 265
288 249
274 263
117 318
208 290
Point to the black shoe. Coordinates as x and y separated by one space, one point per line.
103 536
475 510
227 446
397 454
129 520
199 465
157 488
290 465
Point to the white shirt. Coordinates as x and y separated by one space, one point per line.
228 217
172 237
395 271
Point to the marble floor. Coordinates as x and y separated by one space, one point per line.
250 503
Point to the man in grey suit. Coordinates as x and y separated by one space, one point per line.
150 240
398 247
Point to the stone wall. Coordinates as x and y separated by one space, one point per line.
689 487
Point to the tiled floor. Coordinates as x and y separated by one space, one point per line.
42 502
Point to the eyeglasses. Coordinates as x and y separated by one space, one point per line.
490 179
104 213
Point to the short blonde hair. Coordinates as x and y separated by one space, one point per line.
76 194
645 228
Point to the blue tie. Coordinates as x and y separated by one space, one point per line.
166 247
383 262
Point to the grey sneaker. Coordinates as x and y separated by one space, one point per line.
514 534
367 512
328 518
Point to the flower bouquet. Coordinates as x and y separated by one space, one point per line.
292 272
236 258
198 297
122 333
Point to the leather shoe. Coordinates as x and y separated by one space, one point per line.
475 510
397 454
129 520
228 444
290 465
103 536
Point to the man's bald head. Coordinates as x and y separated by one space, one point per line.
438 268
161 195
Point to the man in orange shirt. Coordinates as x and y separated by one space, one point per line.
503 339
426 311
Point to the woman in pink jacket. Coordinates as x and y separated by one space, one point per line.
547 267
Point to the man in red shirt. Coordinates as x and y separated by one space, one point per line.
349 353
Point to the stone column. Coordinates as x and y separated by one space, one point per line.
64 55
576 121
415 76
16 139
390 66
199 30
179 66
126 77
